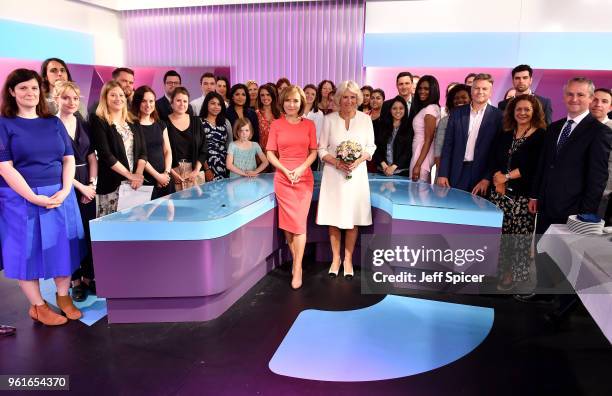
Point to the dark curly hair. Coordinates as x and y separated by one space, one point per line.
538 119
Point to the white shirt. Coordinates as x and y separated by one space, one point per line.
576 120
474 127
196 105
317 118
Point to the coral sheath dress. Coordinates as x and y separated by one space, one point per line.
292 142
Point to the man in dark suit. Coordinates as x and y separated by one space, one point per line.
573 167
469 137
572 171
171 80
403 82
521 81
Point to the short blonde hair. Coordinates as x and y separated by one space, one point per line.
63 86
251 82
102 109
351 86
290 90
484 77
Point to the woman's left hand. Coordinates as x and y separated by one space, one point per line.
356 163
499 178
297 173
136 183
500 189
60 196
416 172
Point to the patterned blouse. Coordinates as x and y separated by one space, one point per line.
216 139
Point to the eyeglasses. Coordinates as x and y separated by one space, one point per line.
177 83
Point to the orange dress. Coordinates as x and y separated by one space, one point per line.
292 142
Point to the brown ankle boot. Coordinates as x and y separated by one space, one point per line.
66 306
45 315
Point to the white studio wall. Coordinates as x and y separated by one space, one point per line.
468 33
102 25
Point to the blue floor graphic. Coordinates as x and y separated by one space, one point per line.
93 309
398 337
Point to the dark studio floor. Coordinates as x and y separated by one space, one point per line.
523 354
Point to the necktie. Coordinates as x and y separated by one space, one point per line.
567 129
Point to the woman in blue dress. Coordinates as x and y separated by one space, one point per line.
41 235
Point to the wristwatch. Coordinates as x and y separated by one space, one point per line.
507 176
93 181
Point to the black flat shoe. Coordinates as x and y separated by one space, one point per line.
79 292
7 330
92 287
533 298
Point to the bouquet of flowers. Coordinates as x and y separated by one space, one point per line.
348 151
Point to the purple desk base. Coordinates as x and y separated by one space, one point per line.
185 309
178 281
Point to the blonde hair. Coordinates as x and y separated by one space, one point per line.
484 77
251 82
240 122
102 109
351 86
290 90
63 86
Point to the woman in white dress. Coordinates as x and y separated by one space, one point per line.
345 203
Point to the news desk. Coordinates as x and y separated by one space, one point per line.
189 256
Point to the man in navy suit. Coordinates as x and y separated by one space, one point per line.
171 80
571 175
573 168
521 81
469 136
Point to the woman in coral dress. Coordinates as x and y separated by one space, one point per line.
291 149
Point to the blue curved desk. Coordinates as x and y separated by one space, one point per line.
191 255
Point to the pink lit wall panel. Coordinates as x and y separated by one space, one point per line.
91 78
546 82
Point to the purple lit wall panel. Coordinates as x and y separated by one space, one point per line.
305 42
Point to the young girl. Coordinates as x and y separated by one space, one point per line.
241 153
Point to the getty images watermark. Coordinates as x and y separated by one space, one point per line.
449 263
486 264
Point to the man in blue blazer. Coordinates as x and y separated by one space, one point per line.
464 162
521 81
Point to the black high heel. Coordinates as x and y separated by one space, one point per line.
348 275
333 274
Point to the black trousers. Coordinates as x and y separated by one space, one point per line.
608 215
548 272
88 212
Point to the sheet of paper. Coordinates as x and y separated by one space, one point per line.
129 197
